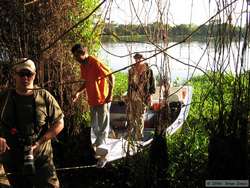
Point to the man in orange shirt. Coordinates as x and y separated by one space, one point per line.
99 87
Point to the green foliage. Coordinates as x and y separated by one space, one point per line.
133 32
211 95
89 31
81 117
182 29
188 156
127 38
188 150
121 83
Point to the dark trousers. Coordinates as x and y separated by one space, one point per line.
44 175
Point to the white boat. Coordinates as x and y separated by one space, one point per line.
117 145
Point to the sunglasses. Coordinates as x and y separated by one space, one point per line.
24 73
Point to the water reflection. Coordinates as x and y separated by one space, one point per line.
197 54
118 55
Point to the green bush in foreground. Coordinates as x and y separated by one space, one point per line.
121 83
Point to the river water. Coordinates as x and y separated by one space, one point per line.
196 54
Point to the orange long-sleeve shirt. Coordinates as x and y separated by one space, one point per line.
97 89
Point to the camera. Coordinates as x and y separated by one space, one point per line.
28 160
26 138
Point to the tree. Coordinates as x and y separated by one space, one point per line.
89 32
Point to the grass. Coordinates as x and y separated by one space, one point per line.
187 150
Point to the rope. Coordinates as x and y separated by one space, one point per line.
47 83
64 33
161 50
4 175
76 167
71 28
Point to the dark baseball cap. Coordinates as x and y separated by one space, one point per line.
138 56
78 47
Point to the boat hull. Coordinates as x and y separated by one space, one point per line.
117 147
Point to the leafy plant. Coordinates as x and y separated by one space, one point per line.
87 33
188 156
209 95
121 83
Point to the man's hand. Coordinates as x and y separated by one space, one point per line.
3 145
34 147
76 96
79 91
111 81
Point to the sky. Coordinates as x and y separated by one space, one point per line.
175 11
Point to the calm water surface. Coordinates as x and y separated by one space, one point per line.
117 56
